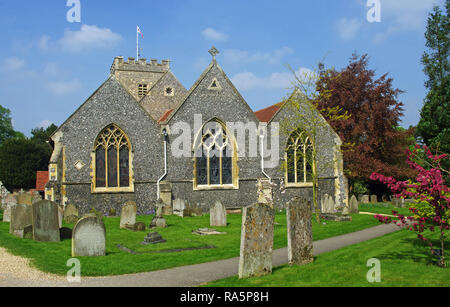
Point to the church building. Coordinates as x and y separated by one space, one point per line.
142 136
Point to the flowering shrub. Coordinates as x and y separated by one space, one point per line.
431 209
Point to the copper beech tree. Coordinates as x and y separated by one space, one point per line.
375 143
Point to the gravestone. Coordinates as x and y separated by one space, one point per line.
353 205
45 221
256 241
89 237
153 238
10 200
158 220
299 230
21 217
265 193
24 198
35 197
365 199
71 213
218 215
128 214
178 207
373 199
327 204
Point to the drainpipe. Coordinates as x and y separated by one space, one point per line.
261 136
165 162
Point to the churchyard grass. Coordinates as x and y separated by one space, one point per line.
383 208
52 256
404 260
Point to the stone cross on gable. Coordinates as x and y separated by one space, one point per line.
213 51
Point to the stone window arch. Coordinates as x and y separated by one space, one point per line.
299 159
215 158
112 161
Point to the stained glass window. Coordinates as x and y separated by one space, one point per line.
299 159
214 166
112 159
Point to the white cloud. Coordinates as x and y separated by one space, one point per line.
13 64
404 15
45 123
88 37
233 56
348 28
277 80
63 87
214 35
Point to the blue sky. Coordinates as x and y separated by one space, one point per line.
49 66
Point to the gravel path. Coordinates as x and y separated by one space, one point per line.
16 271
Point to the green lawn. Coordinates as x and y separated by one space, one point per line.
383 208
52 257
403 259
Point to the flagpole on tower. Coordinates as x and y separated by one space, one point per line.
137 43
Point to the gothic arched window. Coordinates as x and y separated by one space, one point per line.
215 160
299 160
112 157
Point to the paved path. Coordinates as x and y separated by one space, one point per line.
198 274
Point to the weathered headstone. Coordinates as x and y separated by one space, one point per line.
89 237
373 199
9 201
178 207
24 198
158 220
21 217
299 230
45 221
35 197
71 213
256 241
353 205
265 193
218 215
128 214
328 204
365 199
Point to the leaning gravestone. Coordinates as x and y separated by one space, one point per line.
128 215
21 218
178 207
45 221
89 237
218 215
299 230
71 213
353 205
373 199
256 241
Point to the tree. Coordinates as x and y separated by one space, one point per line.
434 125
19 161
371 132
431 209
6 127
42 135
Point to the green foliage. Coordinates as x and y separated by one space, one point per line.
19 161
359 188
434 126
42 135
6 127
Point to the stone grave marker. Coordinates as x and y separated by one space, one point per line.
45 221
365 199
218 215
256 241
89 237
21 217
373 199
353 205
10 200
128 215
299 230
178 207
24 198
35 197
70 211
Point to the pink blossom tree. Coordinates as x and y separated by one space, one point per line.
431 209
